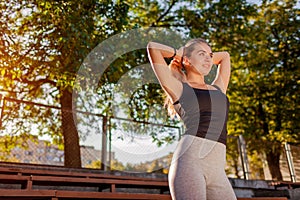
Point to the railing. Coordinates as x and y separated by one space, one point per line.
99 148
99 141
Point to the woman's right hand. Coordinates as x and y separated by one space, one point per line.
179 53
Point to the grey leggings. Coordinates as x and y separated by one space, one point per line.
197 171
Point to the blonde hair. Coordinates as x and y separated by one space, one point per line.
179 71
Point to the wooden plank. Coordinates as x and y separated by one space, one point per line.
57 180
108 195
24 181
54 172
113 188
27 193
8 177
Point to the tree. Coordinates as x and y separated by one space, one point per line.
272 80
264 82
44 44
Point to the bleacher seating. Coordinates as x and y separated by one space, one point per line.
55 183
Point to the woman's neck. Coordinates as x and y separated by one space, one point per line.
196 80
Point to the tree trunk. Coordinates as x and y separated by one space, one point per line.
273 159
273 156
236 168
69 131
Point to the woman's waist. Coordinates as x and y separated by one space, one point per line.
210 133
197 147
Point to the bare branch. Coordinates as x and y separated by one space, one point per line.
159 19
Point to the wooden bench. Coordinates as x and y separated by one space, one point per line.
26 194
63 175
23 181
100 183
107 186
70 172
107 195
58 194
32 179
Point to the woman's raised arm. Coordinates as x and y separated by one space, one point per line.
170 84
222 59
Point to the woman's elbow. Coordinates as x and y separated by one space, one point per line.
226 54
150 45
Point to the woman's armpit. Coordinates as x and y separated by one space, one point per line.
174 91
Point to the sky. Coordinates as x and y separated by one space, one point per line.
128 150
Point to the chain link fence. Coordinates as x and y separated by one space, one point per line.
31 133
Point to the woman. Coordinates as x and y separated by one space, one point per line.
197 168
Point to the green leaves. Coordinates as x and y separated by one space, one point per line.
43 43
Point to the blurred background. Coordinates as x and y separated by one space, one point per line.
44 43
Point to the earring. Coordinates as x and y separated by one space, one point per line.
188 63
183 69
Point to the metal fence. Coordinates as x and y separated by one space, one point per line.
254 165
31 133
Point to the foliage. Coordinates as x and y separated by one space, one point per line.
115 165
43 44
268 83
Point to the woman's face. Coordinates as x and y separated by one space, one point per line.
201 58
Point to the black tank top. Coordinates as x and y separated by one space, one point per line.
204 112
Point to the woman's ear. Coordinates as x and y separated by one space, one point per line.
186 61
